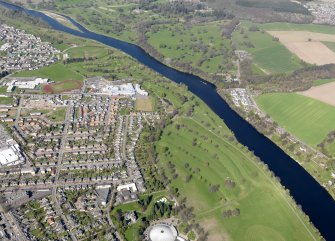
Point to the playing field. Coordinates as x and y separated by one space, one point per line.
56 72
143 104
324 93
307 46
63 86
308 119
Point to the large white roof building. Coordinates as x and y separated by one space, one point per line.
163 232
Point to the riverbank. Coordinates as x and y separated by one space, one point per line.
309 158
314 200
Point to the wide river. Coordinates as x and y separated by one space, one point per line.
307 192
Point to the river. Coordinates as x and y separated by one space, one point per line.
315 201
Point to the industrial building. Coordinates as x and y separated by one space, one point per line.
10 152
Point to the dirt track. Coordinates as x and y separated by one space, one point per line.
307 46
324 93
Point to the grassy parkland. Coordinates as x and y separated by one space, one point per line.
308 119
202 46
227 187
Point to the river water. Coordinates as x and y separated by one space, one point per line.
307 192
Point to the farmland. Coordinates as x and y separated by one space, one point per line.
199 153
308 119
307 46
324 93
268 54
322 81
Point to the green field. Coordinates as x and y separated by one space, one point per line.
56 72
7 100
322 81
331 148
299 27
268 54
87 52
265 210
308 119
330 45
201 45
57 114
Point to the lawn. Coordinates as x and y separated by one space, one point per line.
202 146
268 54
56 72
7 100
265 210
58 114
87 52
308 119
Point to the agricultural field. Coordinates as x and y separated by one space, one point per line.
324 93
319 82
218 178
326 29
268 54
307 46
308 119
203 46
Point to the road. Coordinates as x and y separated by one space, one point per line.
12 224
58 208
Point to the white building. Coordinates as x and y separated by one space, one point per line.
124 89
130 186
127 89
29 84
140 91
164 232
11 155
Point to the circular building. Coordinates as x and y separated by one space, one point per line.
163 232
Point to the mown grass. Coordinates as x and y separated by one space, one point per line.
308 119
56 72
213 159
57 114
265 210
87 52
